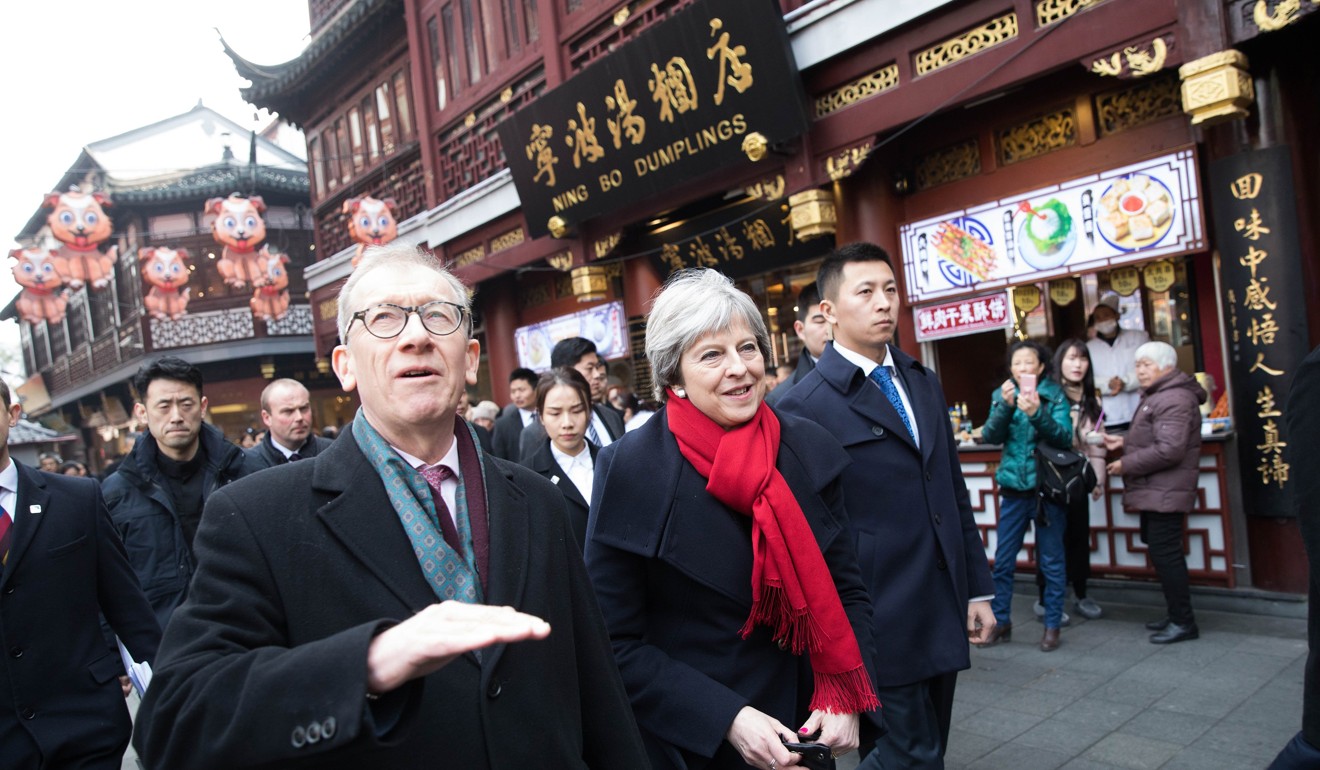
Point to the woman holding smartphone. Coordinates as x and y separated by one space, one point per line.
1026 409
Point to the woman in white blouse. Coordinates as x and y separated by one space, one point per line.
566 457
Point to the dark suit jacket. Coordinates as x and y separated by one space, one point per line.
672 567
1303 415
800 372
265 455
58 673
300 566
508 434
534 433
920 551
543 462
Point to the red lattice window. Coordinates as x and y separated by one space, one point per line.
467 154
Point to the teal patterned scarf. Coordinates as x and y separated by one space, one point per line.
451 576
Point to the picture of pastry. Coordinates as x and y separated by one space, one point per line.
1135 212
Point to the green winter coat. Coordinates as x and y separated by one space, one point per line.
1019 434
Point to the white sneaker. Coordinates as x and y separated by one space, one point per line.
1039 609
1088 609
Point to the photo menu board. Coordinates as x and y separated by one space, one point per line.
604 325
1134 213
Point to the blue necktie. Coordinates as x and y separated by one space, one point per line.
885 379
592 434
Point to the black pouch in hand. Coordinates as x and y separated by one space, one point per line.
815 756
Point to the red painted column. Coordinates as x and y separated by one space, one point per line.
499 309
641 280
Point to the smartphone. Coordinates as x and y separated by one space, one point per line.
1027 384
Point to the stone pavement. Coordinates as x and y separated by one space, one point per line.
1107 698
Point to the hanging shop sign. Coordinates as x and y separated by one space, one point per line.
1124 280
1062 293
605 325
1256 229
1026 298
713 86
1129 214
965 316
1159 276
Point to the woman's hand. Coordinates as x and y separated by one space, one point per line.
1112 442
1008 392
1115 468
759 738
838 731
1097 492
1029 402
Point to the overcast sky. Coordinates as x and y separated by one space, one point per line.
76 72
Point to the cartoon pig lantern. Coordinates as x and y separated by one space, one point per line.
78 221
166 273
371 222
43 296
270 301
238 226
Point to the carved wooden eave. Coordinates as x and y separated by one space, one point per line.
1137 58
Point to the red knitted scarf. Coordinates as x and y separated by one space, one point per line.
792 590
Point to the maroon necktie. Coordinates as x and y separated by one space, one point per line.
6 535
434 476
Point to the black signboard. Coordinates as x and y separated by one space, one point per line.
1265 312
673 105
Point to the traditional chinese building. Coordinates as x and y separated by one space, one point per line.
156 181
566 156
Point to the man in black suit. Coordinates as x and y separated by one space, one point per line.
606 425
921 554
286 411
520 413
814 331
63 567
345 611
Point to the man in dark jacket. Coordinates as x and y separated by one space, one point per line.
156 496
814 331
286 410
520 413
1160 463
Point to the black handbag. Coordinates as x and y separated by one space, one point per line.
1063 476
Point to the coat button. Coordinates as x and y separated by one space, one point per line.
328 728
299 737
938 520
9 589
27 712
314 732
15 652
495 689
877 430
929 477
941 564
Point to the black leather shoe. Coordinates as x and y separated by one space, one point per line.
1157 625
1002 632
1175 633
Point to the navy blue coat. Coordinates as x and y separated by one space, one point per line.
543 462
672 569
920 551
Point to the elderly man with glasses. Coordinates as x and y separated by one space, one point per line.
371 607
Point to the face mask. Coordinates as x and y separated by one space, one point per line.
1106 327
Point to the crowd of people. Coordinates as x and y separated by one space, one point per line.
701 576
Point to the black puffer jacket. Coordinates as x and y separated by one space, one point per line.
143 513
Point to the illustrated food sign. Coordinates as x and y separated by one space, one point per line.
965 316
1128 214
604 325
706 89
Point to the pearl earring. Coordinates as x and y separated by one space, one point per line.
678 391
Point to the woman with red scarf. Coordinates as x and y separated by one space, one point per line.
719 550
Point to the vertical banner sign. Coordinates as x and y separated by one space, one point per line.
1256 227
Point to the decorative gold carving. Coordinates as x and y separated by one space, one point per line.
858 90
557 227
621 16
472 255
507 240
563 261
470 120
1285 13
536 294
327 309
506 95
812 213
1216 88
770 189
614 271
844 163
1053 11
1037 137
1146 102
589 283
605 245
950 164
1140 62
755 145
1000 29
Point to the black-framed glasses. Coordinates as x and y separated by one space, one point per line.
386 320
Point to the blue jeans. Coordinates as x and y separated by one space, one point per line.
1014 514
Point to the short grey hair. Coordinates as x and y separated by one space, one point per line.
1159 353
692 304
398 253
486 409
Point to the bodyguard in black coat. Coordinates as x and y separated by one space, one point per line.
265 455
543 462
63 706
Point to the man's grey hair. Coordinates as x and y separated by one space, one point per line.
403 254
692 304
1159 353
486 409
